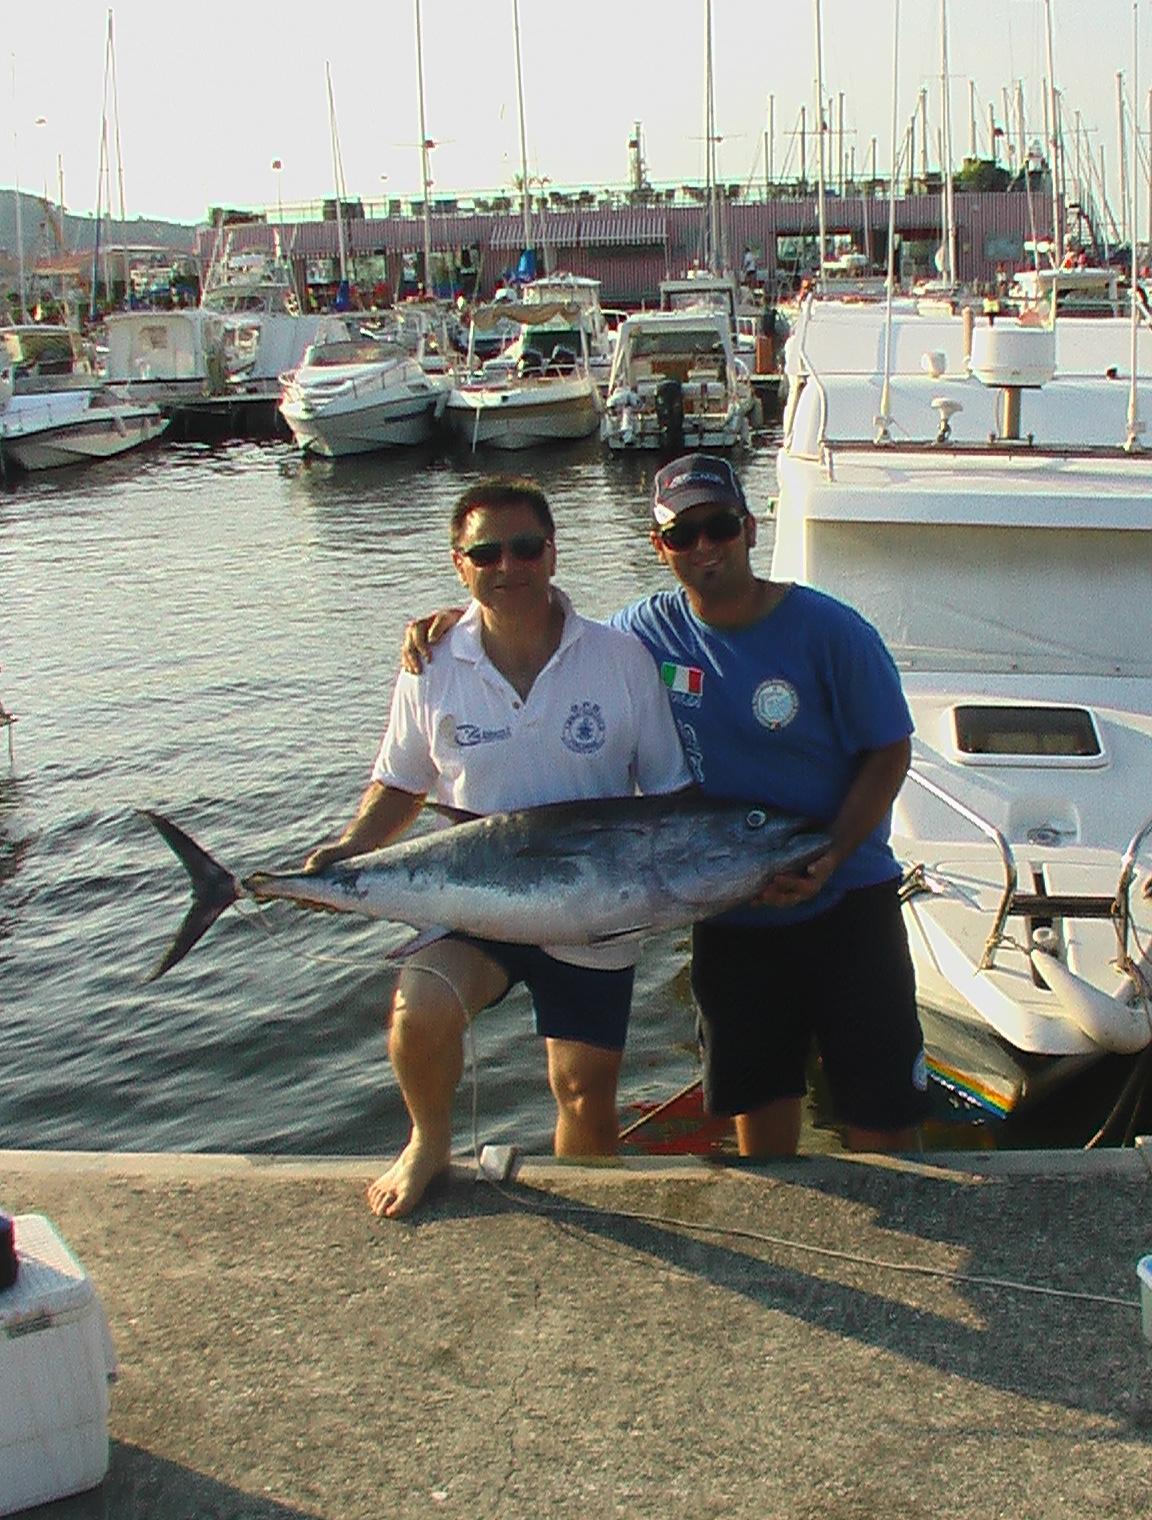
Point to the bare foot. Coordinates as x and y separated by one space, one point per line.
399 1190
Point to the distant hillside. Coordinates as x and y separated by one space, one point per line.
41 227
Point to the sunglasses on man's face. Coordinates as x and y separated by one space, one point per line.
720 528
522 546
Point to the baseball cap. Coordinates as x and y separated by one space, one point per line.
695 480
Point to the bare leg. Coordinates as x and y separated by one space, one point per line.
772 1130
438 992
583 1081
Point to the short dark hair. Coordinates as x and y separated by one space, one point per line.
503 491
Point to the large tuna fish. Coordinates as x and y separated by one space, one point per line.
568 873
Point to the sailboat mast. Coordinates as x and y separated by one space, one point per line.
337 180
111 65
713 249
1054 153
16 193
425 177
525 202
947 203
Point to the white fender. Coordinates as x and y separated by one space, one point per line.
1107 1020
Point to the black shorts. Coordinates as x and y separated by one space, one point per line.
844 980
570 1002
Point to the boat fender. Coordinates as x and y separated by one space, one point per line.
1109 1021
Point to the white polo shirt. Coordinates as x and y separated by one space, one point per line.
596 723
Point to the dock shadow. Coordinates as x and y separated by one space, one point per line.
1086 1356
142 1486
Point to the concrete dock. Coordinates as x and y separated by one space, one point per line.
658 1338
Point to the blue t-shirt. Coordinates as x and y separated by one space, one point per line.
780 712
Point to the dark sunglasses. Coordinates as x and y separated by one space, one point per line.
522 546
721 528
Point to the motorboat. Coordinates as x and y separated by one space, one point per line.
44 429
995 524
359 395
676 381
538 392
216 367
578 290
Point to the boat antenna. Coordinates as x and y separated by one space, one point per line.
883 420
947 202
821 210
1057 228
1135 426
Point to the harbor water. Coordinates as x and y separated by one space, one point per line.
213 633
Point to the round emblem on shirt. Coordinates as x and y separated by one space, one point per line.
584 731
775 703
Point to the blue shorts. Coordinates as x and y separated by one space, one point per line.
844 981
570 1002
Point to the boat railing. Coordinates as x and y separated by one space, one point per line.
1044 905
1011 874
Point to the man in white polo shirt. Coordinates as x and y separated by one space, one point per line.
535 704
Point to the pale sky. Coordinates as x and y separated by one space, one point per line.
210 94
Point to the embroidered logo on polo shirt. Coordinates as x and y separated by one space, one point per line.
584 731
775 703
685 683
469 734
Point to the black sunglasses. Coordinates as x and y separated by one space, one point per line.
721 528
522 546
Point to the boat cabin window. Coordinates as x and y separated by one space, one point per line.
1068 732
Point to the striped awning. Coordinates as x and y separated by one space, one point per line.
636 224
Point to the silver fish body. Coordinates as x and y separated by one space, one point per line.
572 873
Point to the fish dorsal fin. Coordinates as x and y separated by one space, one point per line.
451 815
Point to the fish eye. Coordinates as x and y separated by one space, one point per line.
756 818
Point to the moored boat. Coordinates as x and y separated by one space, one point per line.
998 531
359 395
538 392
676 382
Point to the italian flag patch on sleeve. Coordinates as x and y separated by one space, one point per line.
683 678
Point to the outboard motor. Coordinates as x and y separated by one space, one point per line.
670 413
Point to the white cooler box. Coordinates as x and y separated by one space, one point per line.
56 1358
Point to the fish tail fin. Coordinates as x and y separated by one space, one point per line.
213 890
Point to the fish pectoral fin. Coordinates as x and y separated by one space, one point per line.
418 942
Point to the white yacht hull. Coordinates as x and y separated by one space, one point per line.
403 422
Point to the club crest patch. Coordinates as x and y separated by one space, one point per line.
775 704
584 731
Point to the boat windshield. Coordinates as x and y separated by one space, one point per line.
678 342
364 351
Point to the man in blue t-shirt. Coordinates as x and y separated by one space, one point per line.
786 696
